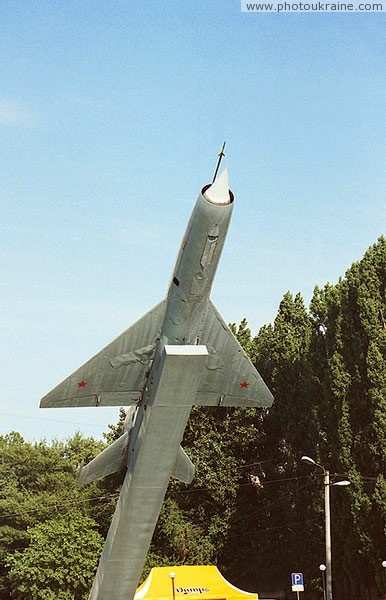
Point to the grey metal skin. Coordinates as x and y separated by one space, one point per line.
180 354
152 452
195 270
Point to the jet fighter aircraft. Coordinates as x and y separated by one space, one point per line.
180 354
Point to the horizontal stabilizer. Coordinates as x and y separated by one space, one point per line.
183 469
116 375
111 460
229 378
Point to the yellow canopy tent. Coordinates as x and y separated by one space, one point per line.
190 583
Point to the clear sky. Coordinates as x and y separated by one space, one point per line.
111 117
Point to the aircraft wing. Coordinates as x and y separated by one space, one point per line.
116 375
229 379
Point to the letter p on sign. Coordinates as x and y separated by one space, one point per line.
297 582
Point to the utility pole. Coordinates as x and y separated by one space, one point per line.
327 513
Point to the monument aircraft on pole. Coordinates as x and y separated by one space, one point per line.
179 355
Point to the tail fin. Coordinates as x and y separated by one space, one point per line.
111 460
183 469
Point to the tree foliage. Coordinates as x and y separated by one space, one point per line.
59 561
37 480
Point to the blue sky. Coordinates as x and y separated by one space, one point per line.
111 118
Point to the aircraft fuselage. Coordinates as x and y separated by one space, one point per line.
195 270
167 401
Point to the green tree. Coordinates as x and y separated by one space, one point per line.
31 476
37 481
274 528
351 316
60 560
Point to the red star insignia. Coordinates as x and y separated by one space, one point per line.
82 383
244 384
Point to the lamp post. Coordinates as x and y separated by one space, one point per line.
327 520
384 569
172 576
322 569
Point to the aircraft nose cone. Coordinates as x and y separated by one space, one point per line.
218 192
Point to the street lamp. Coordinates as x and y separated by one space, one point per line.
322 569
172 576
327 519
384 566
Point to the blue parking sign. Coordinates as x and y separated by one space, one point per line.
297 578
